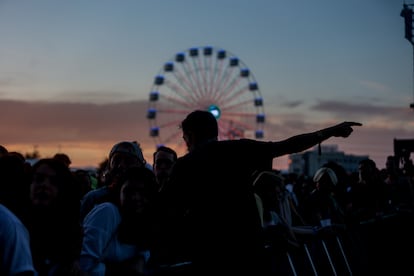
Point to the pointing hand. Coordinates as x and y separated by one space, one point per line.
344 129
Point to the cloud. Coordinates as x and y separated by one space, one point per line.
87 131
68 122
365 111
293 104
5 81
97 96
374 85
381 125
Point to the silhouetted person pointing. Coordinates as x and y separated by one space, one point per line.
209 213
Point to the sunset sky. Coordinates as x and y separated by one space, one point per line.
75 76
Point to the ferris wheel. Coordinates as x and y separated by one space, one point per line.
205 78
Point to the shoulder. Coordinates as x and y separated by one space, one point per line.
12 230
5 214
14 242
96 193
9 220
91 197
103 213
105 207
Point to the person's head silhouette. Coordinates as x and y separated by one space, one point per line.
199 127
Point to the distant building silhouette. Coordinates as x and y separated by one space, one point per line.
309 162
403 148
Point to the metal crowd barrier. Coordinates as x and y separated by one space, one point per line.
380 246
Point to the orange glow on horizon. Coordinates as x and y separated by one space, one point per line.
88 154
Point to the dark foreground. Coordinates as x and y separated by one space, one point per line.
381 246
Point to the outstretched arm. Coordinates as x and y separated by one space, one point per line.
305 141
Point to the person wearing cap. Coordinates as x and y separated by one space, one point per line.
321 208
208 210
122 156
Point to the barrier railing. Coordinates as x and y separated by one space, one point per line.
381 245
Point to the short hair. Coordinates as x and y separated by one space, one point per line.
63 157
167 150
201 123
69 190
3 150
368 162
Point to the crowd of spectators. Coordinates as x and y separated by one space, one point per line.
221 208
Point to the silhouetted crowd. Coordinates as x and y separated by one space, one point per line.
219 209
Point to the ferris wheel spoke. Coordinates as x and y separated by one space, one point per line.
192 77
175 136
224 85
232 92
217 72
188 88
194 56
237 88
231 86
171 123
160 81
201 75
179 70
169 110
239 115
243 105
237 124
184 95
169 100
178 82
223 79
208 51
